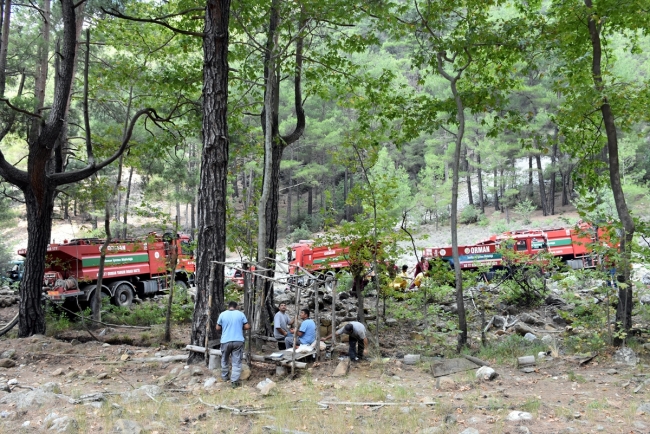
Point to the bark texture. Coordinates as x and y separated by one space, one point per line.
214 171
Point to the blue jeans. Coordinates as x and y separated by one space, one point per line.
288 341
231 351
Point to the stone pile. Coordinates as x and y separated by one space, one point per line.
8 297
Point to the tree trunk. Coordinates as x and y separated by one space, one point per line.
235 186
214 175
479 180
274 145
177 191
460 116
529 193
310 200
271 171
542 187
289 199
40 82
345 196
625 302
496 190
5 18
551 187
39 226
126 203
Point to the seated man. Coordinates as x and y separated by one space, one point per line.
306 334
401 281
281 323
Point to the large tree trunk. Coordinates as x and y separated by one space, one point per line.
624 308
214 175
275 143
39 207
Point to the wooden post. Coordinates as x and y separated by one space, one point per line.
209 308
295 328
317 320
248 306
334 301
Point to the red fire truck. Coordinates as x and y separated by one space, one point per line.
571 244
131 267
322 261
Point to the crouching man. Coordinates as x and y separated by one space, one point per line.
356 332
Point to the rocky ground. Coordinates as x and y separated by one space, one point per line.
128 382
50 385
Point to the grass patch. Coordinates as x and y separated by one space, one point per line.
576 378
531 406
507 350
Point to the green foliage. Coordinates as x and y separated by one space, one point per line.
507 349
525 283
499 226
56 320
469 215
301 233
525 209
587 341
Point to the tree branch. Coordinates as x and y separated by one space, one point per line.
158 21
78 175
18 109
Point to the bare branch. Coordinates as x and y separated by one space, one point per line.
158 21
90 169
18 109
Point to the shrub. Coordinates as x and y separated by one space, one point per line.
525 209
500 226
301 233
469 215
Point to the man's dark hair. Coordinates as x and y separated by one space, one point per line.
306 312
348 328
405 267
422 259
232 304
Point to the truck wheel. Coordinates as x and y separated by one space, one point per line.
123 295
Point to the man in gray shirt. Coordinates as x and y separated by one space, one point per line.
356 332
281 323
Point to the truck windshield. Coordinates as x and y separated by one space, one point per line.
186 248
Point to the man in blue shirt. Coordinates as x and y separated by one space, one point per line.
232 324
306 333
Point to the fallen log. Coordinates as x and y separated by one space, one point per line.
525 361
299 365
475 360
199 349
164 359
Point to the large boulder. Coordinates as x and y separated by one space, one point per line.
33 399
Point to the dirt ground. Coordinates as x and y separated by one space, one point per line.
561 395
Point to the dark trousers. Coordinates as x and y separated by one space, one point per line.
352 352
